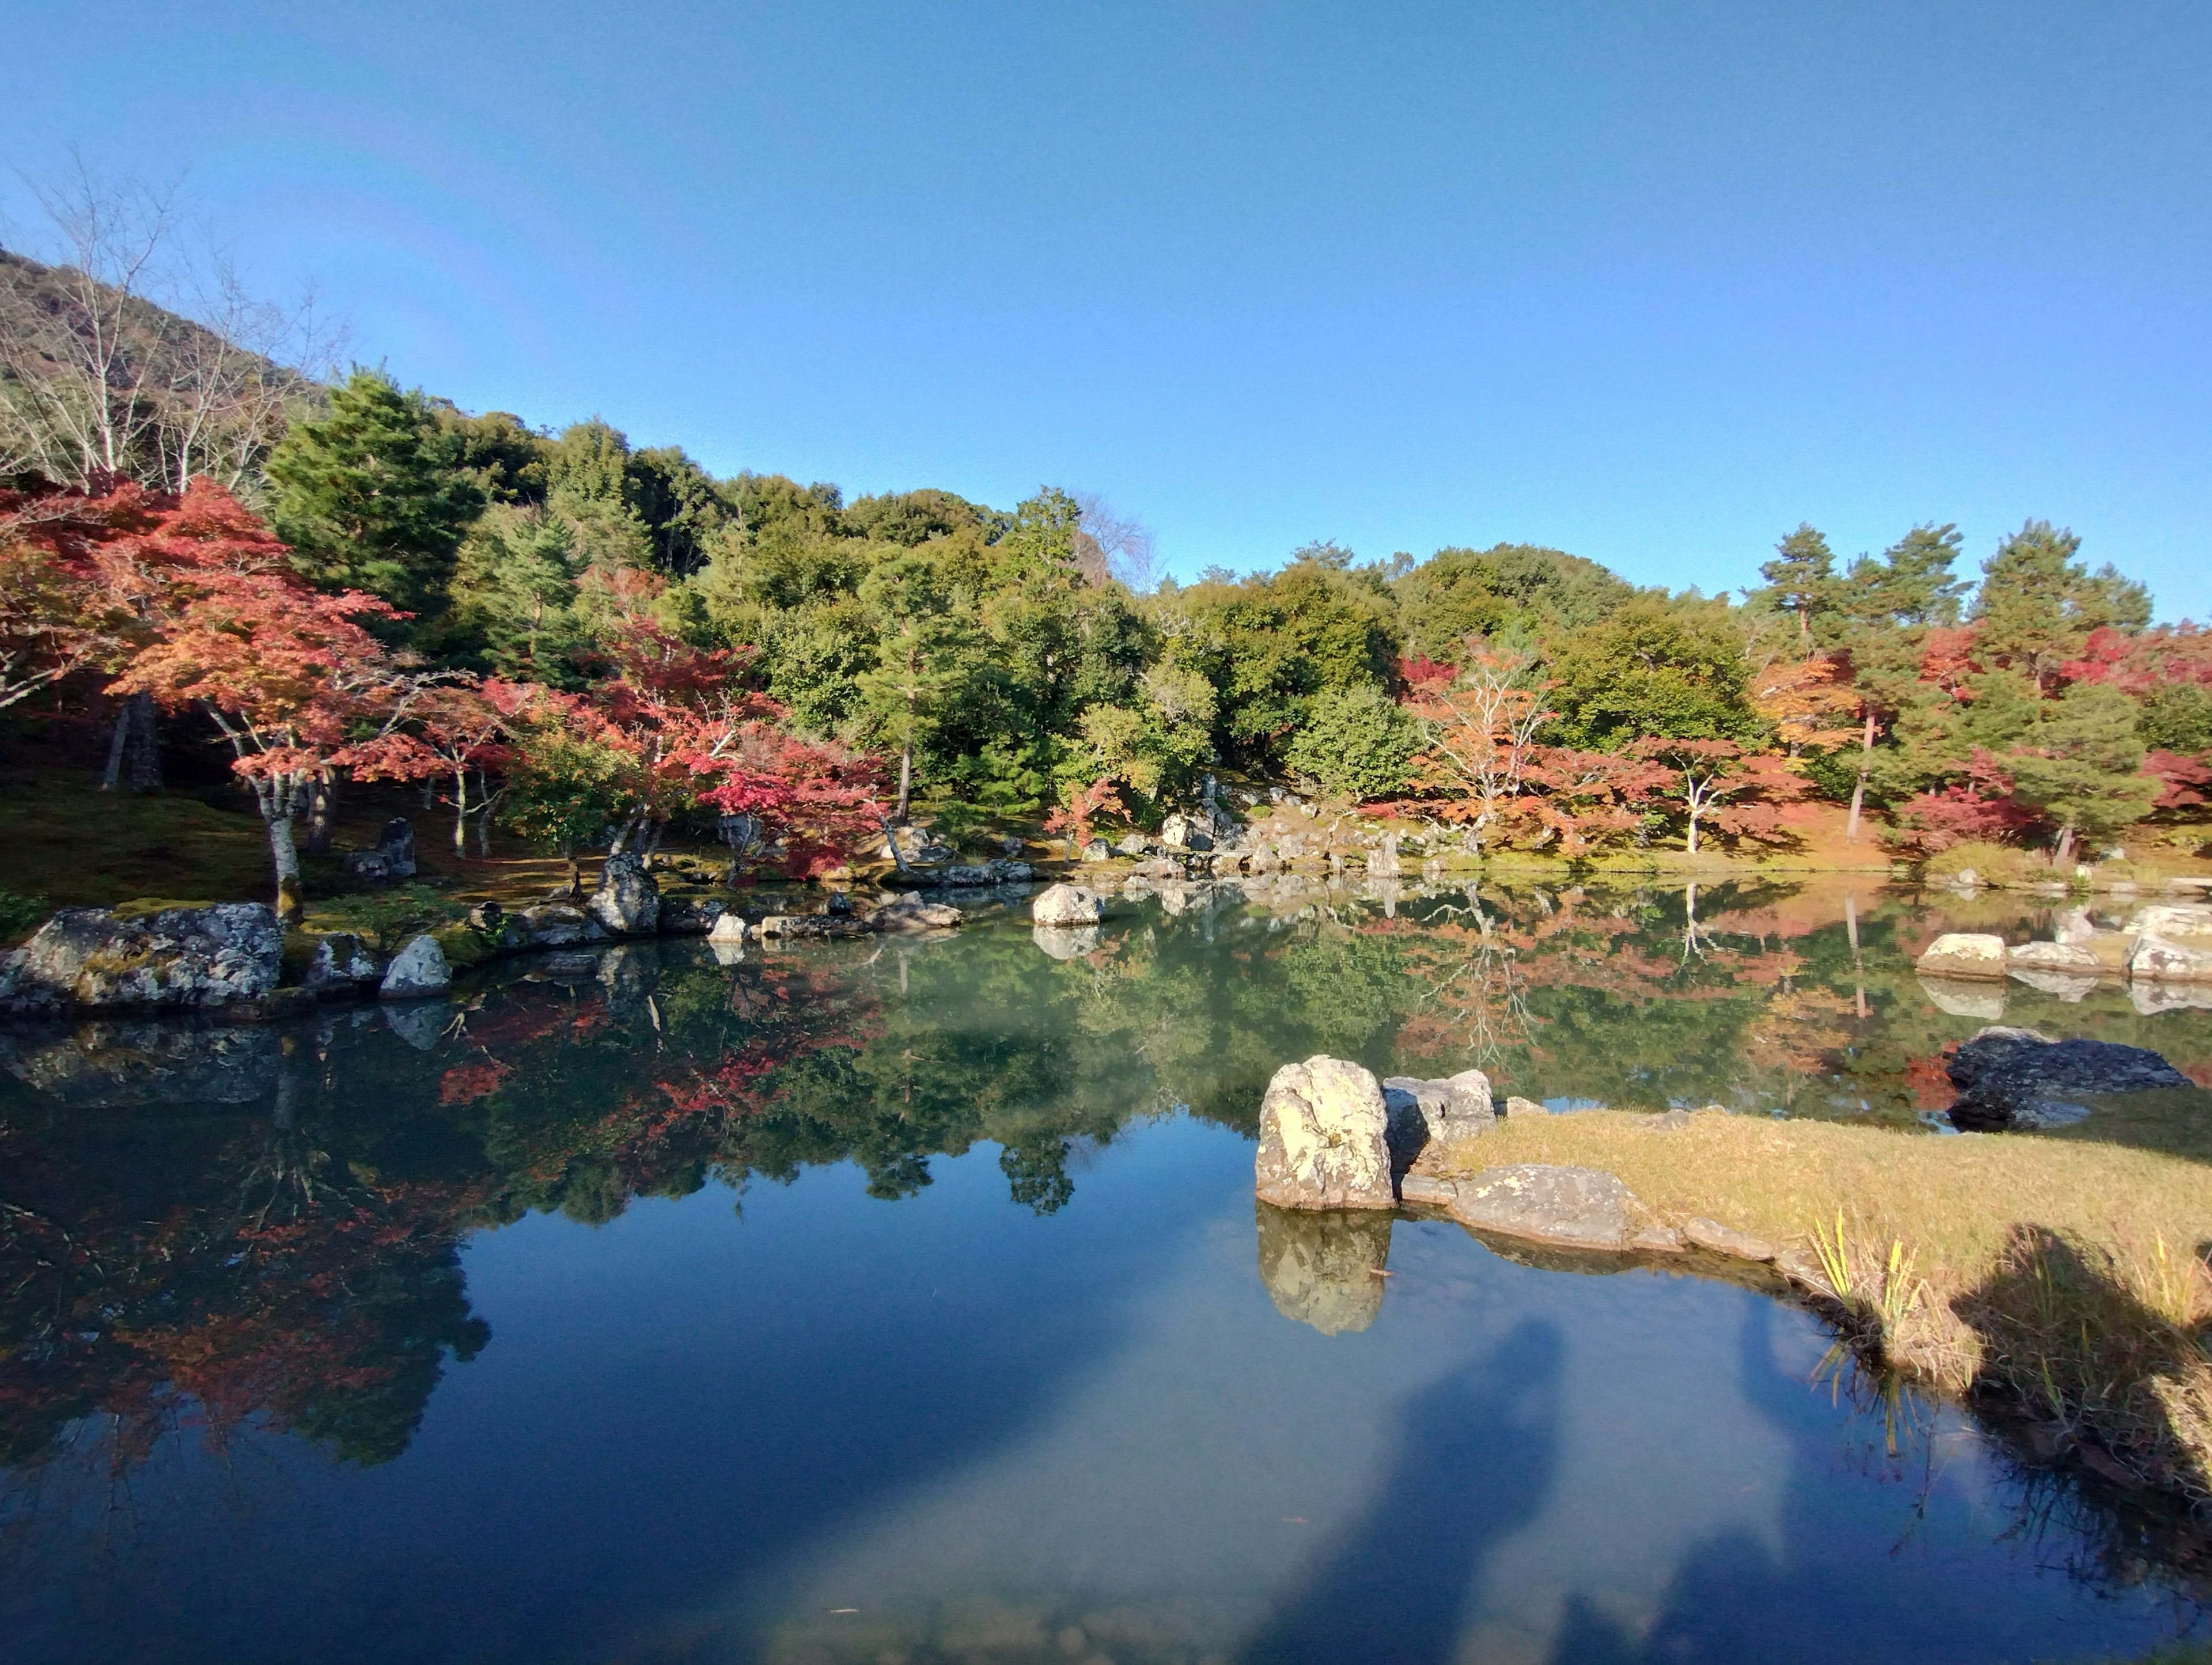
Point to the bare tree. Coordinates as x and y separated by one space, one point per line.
1110 545
232 378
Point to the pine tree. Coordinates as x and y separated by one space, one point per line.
2077 765
1801 578
370 497
2038 604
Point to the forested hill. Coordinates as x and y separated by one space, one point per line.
1018 658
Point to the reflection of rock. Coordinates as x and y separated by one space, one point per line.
628 901
2068 986
417 969
2172 919
2014 1078
1321 1268
2150 998
1065 942
101 1066
629 974
1965 999
1578 1207
2075 926
418 1023
1067 905
180 957
1323 1142
1965 954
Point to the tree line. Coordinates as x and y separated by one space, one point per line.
596 642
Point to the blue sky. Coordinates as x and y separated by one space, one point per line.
1648 282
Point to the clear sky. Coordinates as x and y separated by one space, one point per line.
1650 283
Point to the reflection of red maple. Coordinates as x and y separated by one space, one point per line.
466 1082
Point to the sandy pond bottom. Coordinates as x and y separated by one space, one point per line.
825 1428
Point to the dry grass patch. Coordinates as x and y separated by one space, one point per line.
2062 1282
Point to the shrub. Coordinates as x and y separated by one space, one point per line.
19 915
1993 864
1355 743
387 918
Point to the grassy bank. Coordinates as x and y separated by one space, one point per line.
2062 1283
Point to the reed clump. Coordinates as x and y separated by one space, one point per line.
2061 1283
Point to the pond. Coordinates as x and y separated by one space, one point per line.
904 1299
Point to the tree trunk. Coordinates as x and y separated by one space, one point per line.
576 874
461 814
1858 790
112 776
906 779
2064 853
143 753
291 898
322 812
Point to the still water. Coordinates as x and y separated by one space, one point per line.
904 1301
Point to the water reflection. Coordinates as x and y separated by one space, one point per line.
215 1241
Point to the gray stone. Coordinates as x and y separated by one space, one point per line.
691 917
2052 956
1716 1238
1517 1106
1183 832
1427 1191
1323 1269
1136 846
728 928
365 867
181 958
2159 959
1968 955
791 926
628 901
1097 850
1067 905
419 968
1656 1237
343 964
1323 1139
1065 942
554 925
1574 1207
396 844
1383 862
1437 1111
910 912
2075 926
2014 1078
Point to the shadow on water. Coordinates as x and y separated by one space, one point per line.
1476 1455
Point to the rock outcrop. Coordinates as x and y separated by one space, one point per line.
628 901
2015 1078
1965 954
550 925
418 969
1067 905
1324 1138
181 958
1573 1207
1324 1269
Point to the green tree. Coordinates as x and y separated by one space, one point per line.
1800 579
921 644
372 496
1355 742
565 792
1654 666
1514 592
2077 763
514 597
2038 604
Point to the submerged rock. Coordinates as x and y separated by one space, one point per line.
1574 1207
418 969
180 958
1965 954
2015 1078
1323 1269
1324 1138
1067 905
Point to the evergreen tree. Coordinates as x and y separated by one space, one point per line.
2077 765
371 497
2038 604
1801 578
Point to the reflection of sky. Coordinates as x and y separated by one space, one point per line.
695 1434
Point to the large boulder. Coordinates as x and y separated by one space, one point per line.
1573 1207
1183 832
1423 1112
1324 1270
628 901
1965 954
396 844
2015 1078
2052 956
1067 905
2161 959
690 916
179 958
552 925
910 912
1324 1138
418 969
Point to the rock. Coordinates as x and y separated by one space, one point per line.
365 867
2052 956
1183 832
691 917
1067 905
555 924
2171 920
419 968
2015 1078
915 844
728 928
396 844
2158 959
1657 1238
1266 861
1136 846
1065 942
486 916
1440 1112
1718 1239
1323 1139
1967 955
2074 926
1097 850
1427 1191
1575 1207
839 902
1225 864
1965 999
911 913
1524 1106
1383 863
341 964
792 926
628 901
1323 1269
1667 1121
1965 878
181 958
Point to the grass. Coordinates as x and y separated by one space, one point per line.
2062 1282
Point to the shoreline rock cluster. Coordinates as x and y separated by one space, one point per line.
2163 953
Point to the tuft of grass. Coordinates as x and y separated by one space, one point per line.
388 918
2060 1282
19 916
1993 864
